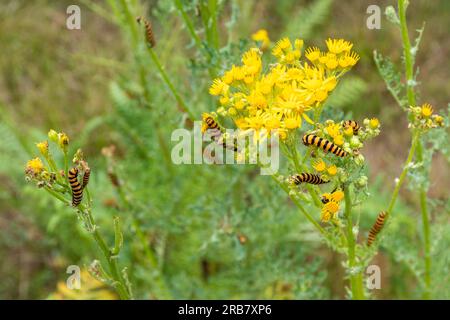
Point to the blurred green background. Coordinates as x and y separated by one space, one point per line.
88 83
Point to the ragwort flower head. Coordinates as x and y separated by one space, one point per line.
287 92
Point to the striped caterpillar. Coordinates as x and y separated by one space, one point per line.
324 144
307 178
149 35
77 189
376 228
353 124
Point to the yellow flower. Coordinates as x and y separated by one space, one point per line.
282 133
252 62
351 58
339 140
284 43
333 129
292 123
328 210
439 120
224 100
239 105
228 77
426 110
348 131
298 44
263 37
34 166
43 148
332 170
312 53
338 45
63 140
337 196
319 165
290 57
218 87
232 111
374 123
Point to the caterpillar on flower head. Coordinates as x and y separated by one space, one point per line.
324 144
216 132
307 178
77 189
149 36
352 124
376 228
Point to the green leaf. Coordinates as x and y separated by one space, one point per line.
392 78
303 23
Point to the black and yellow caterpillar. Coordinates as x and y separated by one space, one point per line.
77 189
353 124
376 228
149 35
324 144
86 175
210 124
307 178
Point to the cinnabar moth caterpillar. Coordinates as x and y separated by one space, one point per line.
86 175
353 124
210 124
307 178
376 228
324 144
77 189
149 36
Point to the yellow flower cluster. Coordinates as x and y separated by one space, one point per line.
262 36
331 202
424 118
320 166
280 98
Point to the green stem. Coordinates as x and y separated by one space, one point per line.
356 277
299 168
409 71
302 209
111 259
189 25
414 143
425 230
172 89
409 65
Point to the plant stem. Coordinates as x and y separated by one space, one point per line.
425 230
356 278
409 71
409 65
414 143
302 209
119 284
172 89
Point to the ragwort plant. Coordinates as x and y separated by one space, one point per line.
425 139
287 96
277 99
70 187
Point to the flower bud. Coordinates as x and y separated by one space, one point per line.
361 182
43 148
53 135
355 143
63 140
359 160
